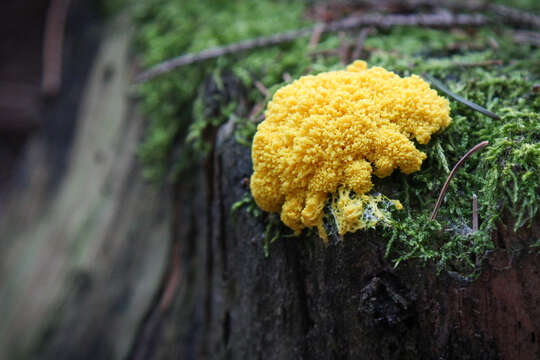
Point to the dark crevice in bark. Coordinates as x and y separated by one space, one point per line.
300 276
221 242
210 137
220 216
227 328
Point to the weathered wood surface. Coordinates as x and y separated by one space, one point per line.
80 266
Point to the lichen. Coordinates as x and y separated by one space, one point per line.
336 129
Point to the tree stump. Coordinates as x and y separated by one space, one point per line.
108 268
343 300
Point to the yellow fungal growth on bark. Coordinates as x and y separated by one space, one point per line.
332 131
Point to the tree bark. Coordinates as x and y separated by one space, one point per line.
343 300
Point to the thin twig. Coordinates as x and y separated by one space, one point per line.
451 175
316 36
287 77
515 15
477 63
506 13
436 83
527 37
259 85
52 47
257 108
325 52
493 43
474 213
374 20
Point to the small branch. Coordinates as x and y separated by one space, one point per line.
493 43
374 20
287 77
316 36
259 85
477 63
515 15
474 213
52 47
256 110
451 175
527 37
326 52
506 13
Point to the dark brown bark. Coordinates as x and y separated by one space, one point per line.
341 301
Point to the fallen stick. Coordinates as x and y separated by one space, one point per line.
504 12
514 15
373 20
527 37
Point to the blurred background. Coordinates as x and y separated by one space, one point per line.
91 161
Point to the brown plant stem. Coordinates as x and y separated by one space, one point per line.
474 213
451 175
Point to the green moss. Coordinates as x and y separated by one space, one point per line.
503 175
168 28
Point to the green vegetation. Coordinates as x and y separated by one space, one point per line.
167 28
483 65
501 175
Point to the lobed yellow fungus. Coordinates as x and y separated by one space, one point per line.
332 131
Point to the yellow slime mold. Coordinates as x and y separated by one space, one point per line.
334 130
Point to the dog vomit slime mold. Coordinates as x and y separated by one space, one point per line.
326 134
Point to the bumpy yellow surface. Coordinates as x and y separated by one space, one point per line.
333 130
354 212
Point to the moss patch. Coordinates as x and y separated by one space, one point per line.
167 28
482 65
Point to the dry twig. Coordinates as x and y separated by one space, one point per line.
478 63
506 13
517 16
527 37
316 36
474 213
287 77
373 20
259 85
